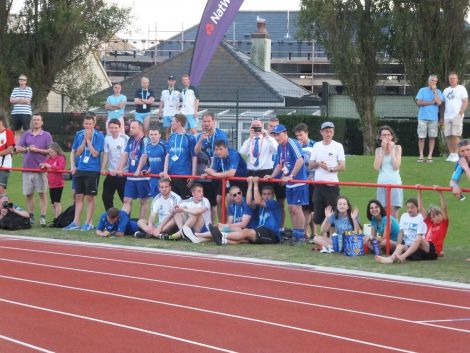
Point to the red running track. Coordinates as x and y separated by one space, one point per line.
75 297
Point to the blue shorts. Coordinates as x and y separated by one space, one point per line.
131 228
137 189
297 195
141 116
190 122
154 186
167 121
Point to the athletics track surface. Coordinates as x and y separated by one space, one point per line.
77 297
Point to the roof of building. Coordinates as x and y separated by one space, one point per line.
229 70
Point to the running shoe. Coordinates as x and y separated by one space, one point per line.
72 226
175 236
87 227
42 221
216 234
140 235
188 234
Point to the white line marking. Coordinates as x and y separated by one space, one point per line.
196 309
448 320
217 290
88 318
291 266
21 343
180 268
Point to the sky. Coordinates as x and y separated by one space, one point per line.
169 16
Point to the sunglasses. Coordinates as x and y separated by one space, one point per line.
236 194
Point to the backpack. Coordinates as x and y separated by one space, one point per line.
65 218
12 221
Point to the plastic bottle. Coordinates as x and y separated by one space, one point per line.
334 240
375 246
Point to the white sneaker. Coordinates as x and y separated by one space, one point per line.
455 157
188 233
324 250
449 157
331 250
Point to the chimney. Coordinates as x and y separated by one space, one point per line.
261 46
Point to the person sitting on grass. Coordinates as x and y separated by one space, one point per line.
267 231
191 215
376 214
412 227
162 205
339 220
239 214
115 223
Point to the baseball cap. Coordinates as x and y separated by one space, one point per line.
278 129
171 77
326 125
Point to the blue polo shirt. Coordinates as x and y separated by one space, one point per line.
428 112
270 216
287 156
234 160
86 161
118 227
156 156
209 142
180 153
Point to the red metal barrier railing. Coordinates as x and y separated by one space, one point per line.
388 188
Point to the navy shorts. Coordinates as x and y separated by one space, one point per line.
137 189
298 195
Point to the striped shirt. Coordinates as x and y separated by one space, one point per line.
19 92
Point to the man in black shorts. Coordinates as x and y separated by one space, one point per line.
267 231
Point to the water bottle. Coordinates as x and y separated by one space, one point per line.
334 240
375 246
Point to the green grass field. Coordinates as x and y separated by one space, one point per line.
358 168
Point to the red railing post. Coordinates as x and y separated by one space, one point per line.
388 223
224 191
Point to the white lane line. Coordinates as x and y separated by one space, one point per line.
448 320
222 291
289 266
132 328
270 323
24 344
181 268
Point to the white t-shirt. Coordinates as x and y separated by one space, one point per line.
454 97
170 101
162 206
332 154
411 227
114 147
189 203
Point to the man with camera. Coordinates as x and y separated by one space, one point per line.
12 217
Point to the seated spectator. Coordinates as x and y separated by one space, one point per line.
56 161
192 215
342 218
115 223
239 214
267 230
12 217
377 216
430 246
162 205
412 227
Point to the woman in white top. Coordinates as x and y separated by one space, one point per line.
387 163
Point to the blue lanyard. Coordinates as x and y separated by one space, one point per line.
86 148
181 144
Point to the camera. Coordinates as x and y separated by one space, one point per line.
257 128
7 204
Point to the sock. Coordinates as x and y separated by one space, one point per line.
224 237
298 233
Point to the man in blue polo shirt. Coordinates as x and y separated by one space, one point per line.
227 163
290 165
115 223
87 147
180 159
267 231
137 187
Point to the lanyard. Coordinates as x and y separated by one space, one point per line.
142 93
235 212
134 147
261 217
86 148
281 161
211 142
181 144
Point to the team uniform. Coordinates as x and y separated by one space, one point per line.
122 225
7 139
287 156
180 154
190 203
269 223
156 160
143 111
136 187
170 99
21 113
237 211
88 167
162 206
233 161
188 97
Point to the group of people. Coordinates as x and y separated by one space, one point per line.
182 176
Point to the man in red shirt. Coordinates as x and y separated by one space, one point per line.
7 143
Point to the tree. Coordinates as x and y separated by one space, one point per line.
51 36
352 33
430 37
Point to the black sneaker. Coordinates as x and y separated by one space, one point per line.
163 236
140 235
216 234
